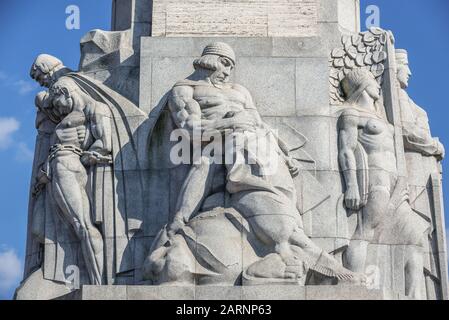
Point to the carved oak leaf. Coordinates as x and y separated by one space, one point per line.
352 52
356 40
338 53
368 38
379 56
376 31
349 63
368 59
359 61
339 63
377 70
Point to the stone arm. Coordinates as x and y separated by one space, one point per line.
186 112
419 140
347 144
99 122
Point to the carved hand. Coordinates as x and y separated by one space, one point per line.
293 166
352 198
175 226
90 158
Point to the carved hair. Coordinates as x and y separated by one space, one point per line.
46 64
355 82
401 56
208 62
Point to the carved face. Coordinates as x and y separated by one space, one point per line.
44 79
63 102
223 72
404 74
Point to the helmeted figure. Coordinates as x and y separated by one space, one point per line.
374 191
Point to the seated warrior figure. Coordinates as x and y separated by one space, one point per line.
366 148
206 101
83 138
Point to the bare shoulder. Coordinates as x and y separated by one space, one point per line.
349 117
182 91
241 89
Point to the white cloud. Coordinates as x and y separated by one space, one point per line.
10 271
25 87
7 127
3 75
24 153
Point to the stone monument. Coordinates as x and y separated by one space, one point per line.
239 149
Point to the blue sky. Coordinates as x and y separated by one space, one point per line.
28 28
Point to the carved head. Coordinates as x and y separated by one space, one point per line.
44 68
403 70
63 94
219 59
358 82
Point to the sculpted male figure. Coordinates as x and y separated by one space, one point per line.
368 161
416 130
423 154
82 138
47 69
206 101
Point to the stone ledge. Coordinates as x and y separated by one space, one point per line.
268 292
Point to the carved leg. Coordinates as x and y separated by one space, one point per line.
71 198
376 209
414 275
354 257
194 189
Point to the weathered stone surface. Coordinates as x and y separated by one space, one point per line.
281 225
267 292
256 18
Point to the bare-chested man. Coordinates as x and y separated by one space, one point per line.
207 102
82 138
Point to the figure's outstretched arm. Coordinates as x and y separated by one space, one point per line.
348 134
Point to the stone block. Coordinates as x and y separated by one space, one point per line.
116 292
274 292
160 293
271 83
341 292
218 293
312 84
258 18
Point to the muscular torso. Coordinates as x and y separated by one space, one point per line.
72 129
377 138
215 102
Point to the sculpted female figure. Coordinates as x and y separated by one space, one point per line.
368 160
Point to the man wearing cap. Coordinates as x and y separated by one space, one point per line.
260 187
